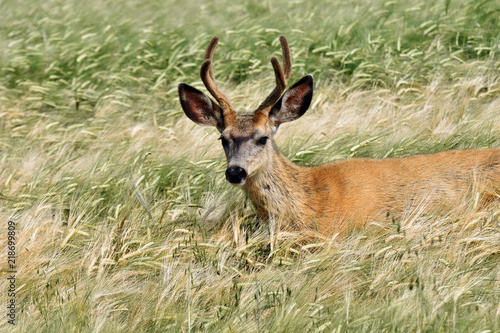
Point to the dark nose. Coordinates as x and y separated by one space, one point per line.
235 174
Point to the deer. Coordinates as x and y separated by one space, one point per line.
331 198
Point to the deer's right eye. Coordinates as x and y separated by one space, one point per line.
224 141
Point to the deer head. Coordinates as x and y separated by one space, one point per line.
247 139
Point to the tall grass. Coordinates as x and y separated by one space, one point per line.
125 221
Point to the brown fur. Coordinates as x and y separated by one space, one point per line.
334 197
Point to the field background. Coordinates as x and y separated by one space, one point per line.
125 220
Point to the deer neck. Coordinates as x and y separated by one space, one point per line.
279 189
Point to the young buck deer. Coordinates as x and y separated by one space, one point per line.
334 197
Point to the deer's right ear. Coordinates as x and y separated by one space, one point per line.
200 108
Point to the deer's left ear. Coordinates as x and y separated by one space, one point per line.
199 107
294 103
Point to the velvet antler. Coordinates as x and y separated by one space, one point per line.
207 76
282 77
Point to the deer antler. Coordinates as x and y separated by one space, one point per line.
207 76
282 77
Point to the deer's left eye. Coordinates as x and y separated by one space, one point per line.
263 140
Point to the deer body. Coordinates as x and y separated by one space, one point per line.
333 197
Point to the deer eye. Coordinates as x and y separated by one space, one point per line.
224 141
263 140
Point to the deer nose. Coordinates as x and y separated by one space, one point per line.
236 175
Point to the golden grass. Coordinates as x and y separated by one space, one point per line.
104 245
126 223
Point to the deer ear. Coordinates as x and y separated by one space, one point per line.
294 103
199 107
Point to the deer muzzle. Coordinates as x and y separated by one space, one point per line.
236 175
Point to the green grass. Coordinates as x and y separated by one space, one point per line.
125 221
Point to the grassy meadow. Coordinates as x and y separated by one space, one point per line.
124 219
